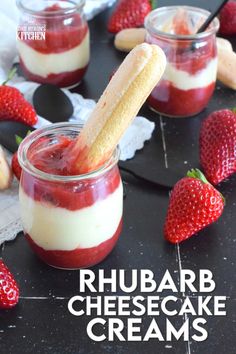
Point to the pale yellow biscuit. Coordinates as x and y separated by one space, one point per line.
226 71
5 171
128 89
127 39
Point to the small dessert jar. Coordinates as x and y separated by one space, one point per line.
69 221
53 41
189 79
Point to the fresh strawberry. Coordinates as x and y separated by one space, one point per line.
13 105
218 145
9 291
228 18
194 204
128 14
15 166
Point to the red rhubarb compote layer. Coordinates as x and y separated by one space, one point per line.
62 57
69 221
189 79
169 100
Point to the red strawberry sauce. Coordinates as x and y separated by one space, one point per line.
62 34
59 36
71 195
170 100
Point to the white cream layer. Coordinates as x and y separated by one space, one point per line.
55 228
55 63
185 81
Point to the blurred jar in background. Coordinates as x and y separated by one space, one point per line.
189 79
53 41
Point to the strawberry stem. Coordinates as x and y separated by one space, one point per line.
19 139
153 4
10 76
196 173
233 110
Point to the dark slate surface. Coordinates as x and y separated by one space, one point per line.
41 322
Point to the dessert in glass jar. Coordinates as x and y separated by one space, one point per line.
53 41
189 79
70 221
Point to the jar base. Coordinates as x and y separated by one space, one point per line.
72 86
78 258
67 79
174 116
70 269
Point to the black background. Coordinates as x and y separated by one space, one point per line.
41 323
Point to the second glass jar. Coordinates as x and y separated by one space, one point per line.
189 79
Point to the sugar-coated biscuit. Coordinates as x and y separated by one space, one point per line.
126 92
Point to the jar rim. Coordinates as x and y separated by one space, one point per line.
211 30
53 128
78 5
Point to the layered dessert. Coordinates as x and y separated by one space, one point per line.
69 224
188 83
62 57
70 191
189 79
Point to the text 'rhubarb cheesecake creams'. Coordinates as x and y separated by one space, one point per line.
53 41
70 221
189 79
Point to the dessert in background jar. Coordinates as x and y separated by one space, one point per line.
70 221
189 79
53 41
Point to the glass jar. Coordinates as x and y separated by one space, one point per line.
69 221
53 41
189 79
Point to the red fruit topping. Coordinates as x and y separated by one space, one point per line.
180 23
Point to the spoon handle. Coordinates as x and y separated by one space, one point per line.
211 17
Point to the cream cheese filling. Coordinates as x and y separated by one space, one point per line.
56 228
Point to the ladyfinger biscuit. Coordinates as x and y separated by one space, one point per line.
226 70
223 44
125 94
127 39
5 171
